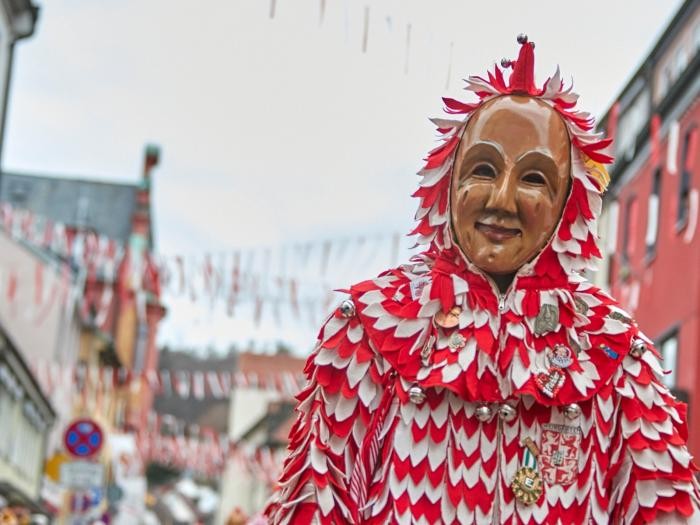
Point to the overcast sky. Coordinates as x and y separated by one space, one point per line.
278 130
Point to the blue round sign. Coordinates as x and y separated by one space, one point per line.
83 438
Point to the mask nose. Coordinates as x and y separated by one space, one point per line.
502 197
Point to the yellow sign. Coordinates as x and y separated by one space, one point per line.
52 468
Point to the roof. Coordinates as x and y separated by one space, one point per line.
104 207
670 32
264 364
643 76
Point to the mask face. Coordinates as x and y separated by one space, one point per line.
510 182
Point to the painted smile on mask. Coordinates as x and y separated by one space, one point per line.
510 181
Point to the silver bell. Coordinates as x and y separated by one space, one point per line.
522 38
416 394
572 411
638 348
347 308
483 412
506 412
506 63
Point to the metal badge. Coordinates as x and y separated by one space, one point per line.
619 316
580 305
547 319
560 356
456 341
449 319
427 350
574 344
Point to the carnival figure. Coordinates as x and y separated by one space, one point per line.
488 381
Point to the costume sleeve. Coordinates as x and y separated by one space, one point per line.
653 477
334 412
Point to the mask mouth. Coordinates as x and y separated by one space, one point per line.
497 233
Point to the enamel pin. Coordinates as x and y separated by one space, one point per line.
456 341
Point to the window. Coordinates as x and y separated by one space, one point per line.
653 215
665 81
633 117
613 216
668 347
681 61
687 164
6 414
629 230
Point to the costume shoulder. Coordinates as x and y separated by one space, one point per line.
327 449
653 476
491 351
394 317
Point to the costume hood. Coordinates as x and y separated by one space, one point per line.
503 341
573 246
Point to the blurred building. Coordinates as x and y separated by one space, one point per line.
85 304
259 424
38 313
17 21
26 417
119 295
206 411
651 208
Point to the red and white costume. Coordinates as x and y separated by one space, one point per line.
407 421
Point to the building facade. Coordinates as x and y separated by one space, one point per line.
27 418
651 209
17 21
259 420
82 300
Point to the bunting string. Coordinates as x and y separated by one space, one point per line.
289 280
185 384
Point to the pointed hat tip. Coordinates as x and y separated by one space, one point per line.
522 79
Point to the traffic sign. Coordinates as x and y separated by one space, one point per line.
83 438
82 474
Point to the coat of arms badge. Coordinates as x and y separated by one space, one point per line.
559 454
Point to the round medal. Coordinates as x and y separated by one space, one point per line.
527 485
449 319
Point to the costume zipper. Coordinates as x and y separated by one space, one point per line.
496 520
497 495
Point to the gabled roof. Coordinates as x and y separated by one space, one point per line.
103 207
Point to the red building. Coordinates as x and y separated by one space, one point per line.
651 210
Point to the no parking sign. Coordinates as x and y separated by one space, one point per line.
83 438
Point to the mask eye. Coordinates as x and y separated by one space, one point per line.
535 178
484 171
